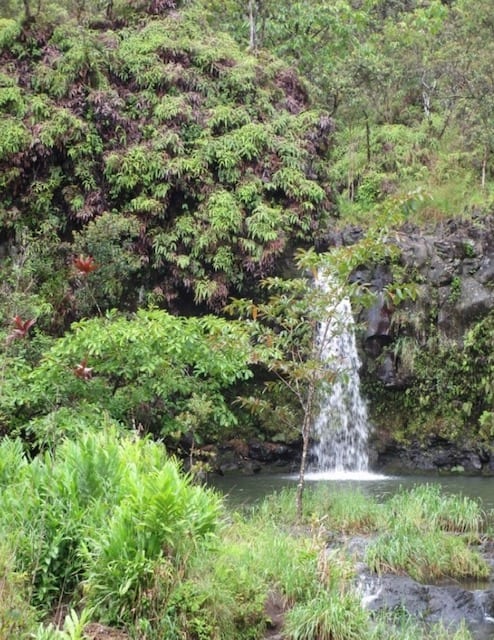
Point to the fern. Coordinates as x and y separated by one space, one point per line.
204 290
40 108
146 205
11 101
224 214
10 30
264 224
172 108
297 186
14 137
249 192
61 129
225 117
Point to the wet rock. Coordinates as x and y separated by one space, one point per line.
255 456
449 604
416 251
434 455
485 274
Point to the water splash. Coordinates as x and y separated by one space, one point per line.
341 429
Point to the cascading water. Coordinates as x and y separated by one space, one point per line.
341 429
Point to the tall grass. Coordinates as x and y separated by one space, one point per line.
341 510
400 625
17 616
427 535
330 616
426 508
110 524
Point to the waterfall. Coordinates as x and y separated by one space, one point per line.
341 428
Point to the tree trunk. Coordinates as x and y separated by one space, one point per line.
484 170
27 10
252 26
367 137
306 432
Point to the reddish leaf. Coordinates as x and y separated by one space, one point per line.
21 328
85 264
83 371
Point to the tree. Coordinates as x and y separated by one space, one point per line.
293 326
151 371
284 330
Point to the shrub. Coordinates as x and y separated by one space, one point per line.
106 511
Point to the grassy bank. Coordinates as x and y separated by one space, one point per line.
109 531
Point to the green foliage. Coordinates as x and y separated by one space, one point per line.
72 629
17 616
104 511
147 371
402 626
333 617
451 394
109 239
422 540
14 137
83 60
9 32
161 122
385 70
33 281
160 514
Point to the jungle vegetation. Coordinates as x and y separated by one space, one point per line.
161 161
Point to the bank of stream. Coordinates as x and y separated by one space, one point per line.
446 601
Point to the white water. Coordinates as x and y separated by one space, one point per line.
341 429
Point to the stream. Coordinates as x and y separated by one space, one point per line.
247 489
472 602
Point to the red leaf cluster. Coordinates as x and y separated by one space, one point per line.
85 264
20 329
83 371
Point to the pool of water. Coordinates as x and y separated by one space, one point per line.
248 489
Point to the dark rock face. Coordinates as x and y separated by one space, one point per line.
437 454
452 267
255 456
456 263
450 604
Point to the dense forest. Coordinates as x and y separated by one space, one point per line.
172 157
172 176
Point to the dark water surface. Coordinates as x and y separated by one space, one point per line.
248 489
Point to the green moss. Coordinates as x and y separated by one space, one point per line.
449 391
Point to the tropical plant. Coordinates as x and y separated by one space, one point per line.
107 512
152 371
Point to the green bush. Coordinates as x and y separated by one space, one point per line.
105 512
152 370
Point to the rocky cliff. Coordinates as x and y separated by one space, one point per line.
428 363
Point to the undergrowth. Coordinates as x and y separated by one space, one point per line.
110 527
